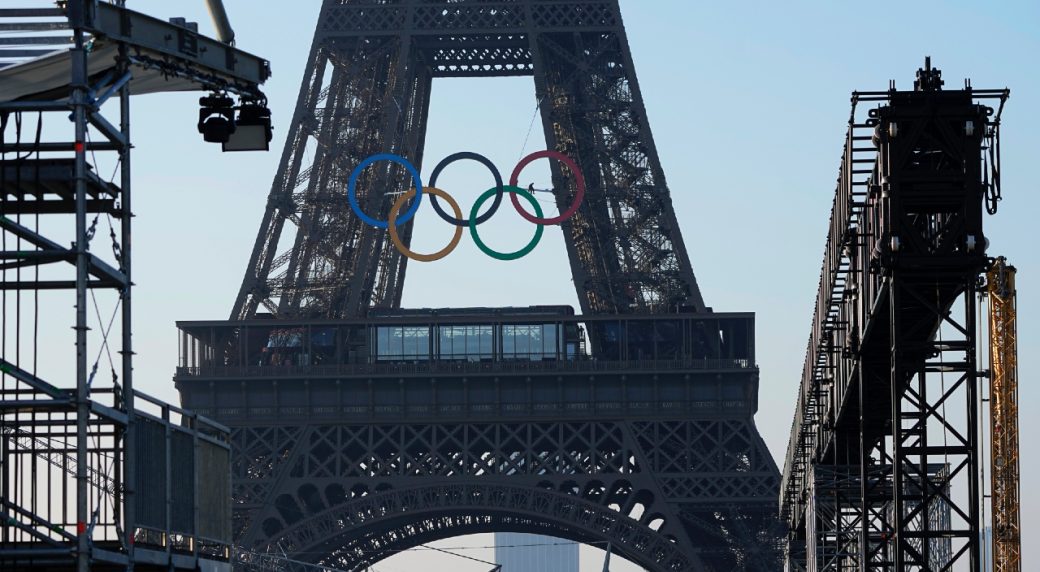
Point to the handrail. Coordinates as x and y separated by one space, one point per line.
439 367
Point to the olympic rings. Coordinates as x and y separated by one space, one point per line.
396 217
352 188
458 220
578 197
434 192
505 255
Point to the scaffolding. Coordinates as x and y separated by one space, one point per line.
96 476
883 466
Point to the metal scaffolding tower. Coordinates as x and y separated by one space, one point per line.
98 476
882 468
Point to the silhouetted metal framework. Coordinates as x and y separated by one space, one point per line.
882 469
357 439
96 476
366 90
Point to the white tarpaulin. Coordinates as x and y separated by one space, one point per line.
49 75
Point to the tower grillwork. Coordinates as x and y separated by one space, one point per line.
366 90
356 439
360 429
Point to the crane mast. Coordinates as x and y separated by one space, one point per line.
1007 543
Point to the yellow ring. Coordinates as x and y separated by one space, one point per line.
392 224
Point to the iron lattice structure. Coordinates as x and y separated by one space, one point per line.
366 90
1003 403
882 469
349 448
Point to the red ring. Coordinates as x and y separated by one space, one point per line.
578 197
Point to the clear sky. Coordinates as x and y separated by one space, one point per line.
748 103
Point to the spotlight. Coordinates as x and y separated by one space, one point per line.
252 129
216 118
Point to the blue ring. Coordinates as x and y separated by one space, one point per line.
352 189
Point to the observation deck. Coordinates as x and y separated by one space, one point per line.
430 364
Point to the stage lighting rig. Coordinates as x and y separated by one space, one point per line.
252 127
216 117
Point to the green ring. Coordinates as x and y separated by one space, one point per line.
480 243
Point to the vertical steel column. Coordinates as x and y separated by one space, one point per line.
897 388
863 553
78 81
972 379
127 351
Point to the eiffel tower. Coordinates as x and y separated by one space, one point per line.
360 429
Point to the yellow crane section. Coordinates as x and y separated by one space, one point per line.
1003 395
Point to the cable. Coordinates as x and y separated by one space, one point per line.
428 547
530 127
104 337
991 166
425 547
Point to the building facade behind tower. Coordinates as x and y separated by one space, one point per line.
518 552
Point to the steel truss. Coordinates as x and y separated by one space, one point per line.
882 467
668 495
670 484
1003 396
349 454
366 90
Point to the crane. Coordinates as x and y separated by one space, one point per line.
1003 394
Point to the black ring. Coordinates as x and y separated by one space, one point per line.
483 161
